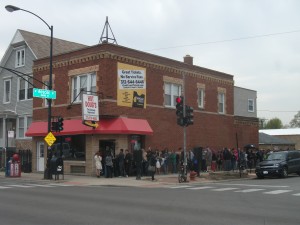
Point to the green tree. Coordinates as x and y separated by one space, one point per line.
274 123
296 121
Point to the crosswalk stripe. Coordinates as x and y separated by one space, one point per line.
18 185
199 188
249 190
183 186
224 189
3 187
298 194
40 185
276 192
62 185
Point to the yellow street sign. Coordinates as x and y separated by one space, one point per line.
50 139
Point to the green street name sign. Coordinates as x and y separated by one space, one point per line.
44 93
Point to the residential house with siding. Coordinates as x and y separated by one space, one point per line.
16 90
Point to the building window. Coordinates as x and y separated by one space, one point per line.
250 105
24 123
85 83
25 88
172 91
1 127
20 57
7 91
221 103
21 127
201 98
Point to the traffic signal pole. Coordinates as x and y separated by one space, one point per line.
184 127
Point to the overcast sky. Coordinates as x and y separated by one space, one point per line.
257 41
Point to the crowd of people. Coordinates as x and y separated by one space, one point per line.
149 162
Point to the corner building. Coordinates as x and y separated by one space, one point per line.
137 93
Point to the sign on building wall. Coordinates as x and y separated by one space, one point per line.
131 86
90 107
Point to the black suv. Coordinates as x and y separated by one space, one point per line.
280 164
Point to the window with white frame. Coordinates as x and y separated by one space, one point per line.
250 105
201 98
221 103
20 57
25 88
172 91
7 91
23 125
85 83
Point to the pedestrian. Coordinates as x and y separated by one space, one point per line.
173 161
128 160
152 164
109 165
98 164
208 159
138 158
121 159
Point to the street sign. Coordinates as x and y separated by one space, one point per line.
44 93
50 139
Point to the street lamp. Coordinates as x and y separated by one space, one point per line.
11 8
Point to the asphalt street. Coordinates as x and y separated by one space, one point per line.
245 202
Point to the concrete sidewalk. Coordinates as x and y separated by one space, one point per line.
160 180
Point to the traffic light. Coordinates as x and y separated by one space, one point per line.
189 115
60 124
179 111
54 126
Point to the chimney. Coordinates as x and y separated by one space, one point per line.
188 59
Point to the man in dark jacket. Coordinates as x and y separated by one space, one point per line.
138 158
197 160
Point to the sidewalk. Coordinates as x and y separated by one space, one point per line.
160 180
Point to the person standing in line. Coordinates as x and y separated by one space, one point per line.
98 164
208 159
109 165
152 163
128 159
121 160
138 158
173 161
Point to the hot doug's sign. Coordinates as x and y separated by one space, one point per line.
90 110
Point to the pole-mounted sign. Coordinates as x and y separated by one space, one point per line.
90 110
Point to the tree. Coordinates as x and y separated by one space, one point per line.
274 123
296 121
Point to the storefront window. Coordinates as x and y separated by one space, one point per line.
136 142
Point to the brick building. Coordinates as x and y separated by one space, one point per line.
141 112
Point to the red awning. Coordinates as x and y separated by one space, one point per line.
106 126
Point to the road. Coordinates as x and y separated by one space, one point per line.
244 202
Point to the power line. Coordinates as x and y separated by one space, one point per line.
228 40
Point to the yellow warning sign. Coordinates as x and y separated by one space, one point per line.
50 139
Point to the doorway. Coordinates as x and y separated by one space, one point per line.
107 145
40 160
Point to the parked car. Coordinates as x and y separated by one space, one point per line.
279 164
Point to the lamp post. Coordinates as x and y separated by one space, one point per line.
11 8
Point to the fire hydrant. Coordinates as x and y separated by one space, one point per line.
192 175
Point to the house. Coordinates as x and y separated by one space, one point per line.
291 135
136 92
16 84
268 142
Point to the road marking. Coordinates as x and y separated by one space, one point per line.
199 188
298 194
62 185
256 185
276 192
183 186
18 185
224 189
249 190
40 185
3 187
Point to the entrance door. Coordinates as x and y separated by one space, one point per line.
107 145
40 156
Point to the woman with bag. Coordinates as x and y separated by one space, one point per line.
152 165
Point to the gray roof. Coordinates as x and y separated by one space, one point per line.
271 140
40 44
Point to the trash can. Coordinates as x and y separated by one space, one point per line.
56 167
13 166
